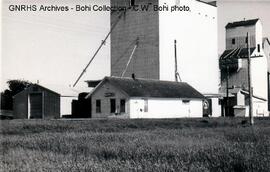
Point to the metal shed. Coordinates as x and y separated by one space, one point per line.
36 102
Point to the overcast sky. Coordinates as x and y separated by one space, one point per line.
54 47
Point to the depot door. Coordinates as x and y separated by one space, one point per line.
207 108
139 108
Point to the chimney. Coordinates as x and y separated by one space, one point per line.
133 76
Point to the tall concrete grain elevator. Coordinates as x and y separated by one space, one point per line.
143 44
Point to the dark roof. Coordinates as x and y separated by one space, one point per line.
153 88
242 23
37 85
93 83
236 53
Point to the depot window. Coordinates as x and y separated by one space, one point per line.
122 105
98 106
259 48
113 105
233 41
132 2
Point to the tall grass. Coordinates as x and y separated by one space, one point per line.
135 145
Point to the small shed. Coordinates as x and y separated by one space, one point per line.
144 98
36 102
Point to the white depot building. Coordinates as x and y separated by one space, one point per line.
145 98
234 68
143 43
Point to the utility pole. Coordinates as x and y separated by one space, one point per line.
129 60
177 75
250 89
227 91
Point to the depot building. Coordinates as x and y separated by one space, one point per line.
144 98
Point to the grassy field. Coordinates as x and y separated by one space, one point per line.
135 145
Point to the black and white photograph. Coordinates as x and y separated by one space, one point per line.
135 85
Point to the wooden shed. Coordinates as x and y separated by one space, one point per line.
36 102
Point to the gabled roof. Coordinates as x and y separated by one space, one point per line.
92 83
49 90
236 53
152 88
37 85
62 90
242 23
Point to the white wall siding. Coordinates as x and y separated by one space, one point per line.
259 76
216 107
65 105
259 81
260 108
240 99
165 108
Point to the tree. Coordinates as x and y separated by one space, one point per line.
14 87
